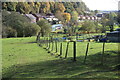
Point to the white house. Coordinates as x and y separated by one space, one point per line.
57 27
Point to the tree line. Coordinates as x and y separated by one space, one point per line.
45 7
17 25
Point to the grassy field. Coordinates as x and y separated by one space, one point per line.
23 58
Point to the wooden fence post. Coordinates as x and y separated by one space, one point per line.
56 45
49 44
46 42
67 50
52 45
61 49
43 41
103 49
86 52
74 51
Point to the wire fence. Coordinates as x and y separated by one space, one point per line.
73 48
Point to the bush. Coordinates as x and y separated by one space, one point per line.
16 21
88 26
8 32
18 24
31 29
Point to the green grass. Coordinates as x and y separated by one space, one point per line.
23 58
116 26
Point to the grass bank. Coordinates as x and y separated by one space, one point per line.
23 58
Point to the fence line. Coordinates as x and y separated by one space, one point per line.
51 45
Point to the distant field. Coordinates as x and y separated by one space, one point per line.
23 58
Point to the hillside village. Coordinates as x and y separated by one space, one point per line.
54 20
60 15
51 18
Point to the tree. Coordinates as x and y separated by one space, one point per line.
59 7
4 5
37 7
88 26
24 7
59 15
8 32
67 17
104 22
45 7
96 11
16 21
32 7
74 18
5 14
74 21
111 21
52 8
69 7
45 27
118 17
31 29
11 6
19 24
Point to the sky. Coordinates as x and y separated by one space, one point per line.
102 4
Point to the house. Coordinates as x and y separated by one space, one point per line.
50 15
114 36
95 17
57 27
52 20
81 17
92 18
31 17
49 19
38 16
87 17
100 15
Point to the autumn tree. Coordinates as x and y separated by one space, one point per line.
45 7
59 15
69 7
23 7
67 17
37 7
11 6
59 7
52 7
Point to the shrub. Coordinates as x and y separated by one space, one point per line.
8 32
31 29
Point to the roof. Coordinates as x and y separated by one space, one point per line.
114 32
56 25
38 15
30 16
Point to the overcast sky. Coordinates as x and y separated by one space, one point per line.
102 4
